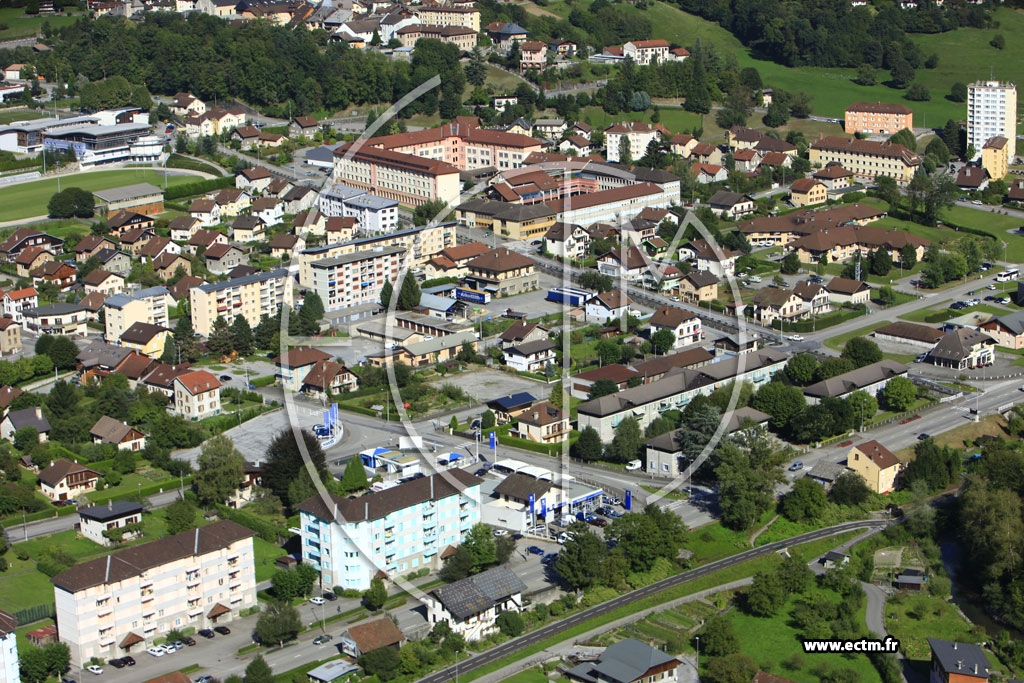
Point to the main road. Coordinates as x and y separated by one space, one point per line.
541 634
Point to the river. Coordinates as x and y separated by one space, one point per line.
970 603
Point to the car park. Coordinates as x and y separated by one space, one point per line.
223 630
797 466
94 669
317 600
156 651
205 633
535 550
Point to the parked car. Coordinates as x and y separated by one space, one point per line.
325 638
613 514
156 651
205 633
797 466
205 678
225 378
178 645
317 600
598 522
330 596
94 669
796 337
549 558
223 630
117 663
127 659
535 550
188 640
500 532
480 472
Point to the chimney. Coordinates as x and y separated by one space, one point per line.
975 668
959 664
366 510
106 575
195 543
39 413
110 504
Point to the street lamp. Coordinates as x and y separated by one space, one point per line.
697 659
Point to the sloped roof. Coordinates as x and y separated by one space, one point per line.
878 454
856 379
377 633
475 594
59 469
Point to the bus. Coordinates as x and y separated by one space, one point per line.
1007 275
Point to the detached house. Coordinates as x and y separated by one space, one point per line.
732 204
876 464
771 304
221 258
815 298
626 262
471 606
103 282
121 514
253 180
10 336
295 364
109 430
607 306
328 377
66 480
807 191
206 211
196 395
269 209
685 326
89 245
61 274
18 300
963 349
544 423
521 332
530 357
183 227
698 286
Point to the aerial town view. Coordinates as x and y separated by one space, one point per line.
597 341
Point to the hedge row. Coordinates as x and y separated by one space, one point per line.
198 187
263 381
827 320
35 613
263 528
178 161
165 485
48 513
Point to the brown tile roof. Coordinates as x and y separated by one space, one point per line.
913 331
971 177
198 381
166 259
201 206
7 623
615 372
142 333
154 247
97 277
371 635
135 234
323 373
518 331
60 469
378 505
501 260
469 250
842 285
833 171
173 677
182 286
109 430
888 150
53 269
91 243
701 278
807 221
255 173
387 157
134 365
804 184
670 316
301 356
541 414
182 223
683 359
583 201
631 259
807 290
8 394
866 235
771 296
219 251
613 299
522 486
880 108
878 454
284 241
28 255
163 374
133 561
306 122
996 142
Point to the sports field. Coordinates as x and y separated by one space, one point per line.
26 200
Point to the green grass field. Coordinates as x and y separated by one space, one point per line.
20 25
531 676
266 553
19 114
914 618
29 199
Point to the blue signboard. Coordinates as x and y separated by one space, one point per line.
334 412
494 441
532 503
544 507
629 500
327 420
478 297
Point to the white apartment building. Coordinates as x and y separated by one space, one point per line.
639 134
396 530
9 669
409 179
18 300
376 215
332 200
418 246
196 395
250 296
355 278
119 604
992 111
121 311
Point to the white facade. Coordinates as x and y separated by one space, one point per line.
97 614
9 670
374 214
356 278
350 553
992 111
13 306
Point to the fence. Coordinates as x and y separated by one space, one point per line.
18 177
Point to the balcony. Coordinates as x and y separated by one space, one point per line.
429 524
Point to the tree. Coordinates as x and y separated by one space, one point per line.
74 201
479 543
385 294
734 668
800 368
504 547
354 478
735 109
862 351
902 73
791 264
487 419
663 340
258 671
181 516
747 476
587 446
382 662
849 488
457 566
644 537
866 75
998 41
26 438
63 352
888 191
937 150
626 442
376 595
185 340
718 637
591 279
780 401
625 154
608 351
831 367
766 595
880 262
898 394
918 92
476 68
932 194
602 387
284 460
904 137
220 470
277 623
409 295
220 341
57 657
777 115
241 336
950 134
805 502
510 623
579 560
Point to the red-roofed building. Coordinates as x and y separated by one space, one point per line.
646 51
196 395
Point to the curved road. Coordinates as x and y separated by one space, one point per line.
545 632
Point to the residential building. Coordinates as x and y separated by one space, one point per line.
684 326
61 275
471 605
327 377
513 220
247 228
462 144
90 245
427 352
502 272
567 240
994 157
1007 330
627 263
66 480
123 222
521 332
251 296
222 258
646 52
770 304
508 408
676 388
121 311
845 242
361 638
206 211
781 230
870 378
876 464
972 178
185 104
843 290
963 349
375 215
194 579
30 259
682 144
711 258
407 178
658 367
607 306
134 240
866 158
285 247
183 228
877 118
991 112
56 319
638 134
627 661
807 191
103 282
303 126
813 297
698 286
109 430
232 201
909 333
10 669
121 519
270 210
619 374
25 238
294 364
253 180
503 35
114 261
533 54
543 423
450 15
953 662
149 340
834 176
196 395
613 205
731 204
355 278
461 37
397 530
10 336
664 453
530 357
16 301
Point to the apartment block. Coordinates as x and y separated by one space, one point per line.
251 296
143 306
119 604
397 530
406 178
992 111
866 158
879 118
9 668
449 15
639 134
355 278
418 244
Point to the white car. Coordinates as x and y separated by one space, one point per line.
156 651
92 668
796 338
977 202
991 287
500 532
317 600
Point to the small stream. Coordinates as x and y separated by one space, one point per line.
968 602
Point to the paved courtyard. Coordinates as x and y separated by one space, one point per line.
487 384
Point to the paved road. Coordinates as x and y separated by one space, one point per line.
545 632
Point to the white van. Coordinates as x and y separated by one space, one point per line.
633 465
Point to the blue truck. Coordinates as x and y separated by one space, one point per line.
568 295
